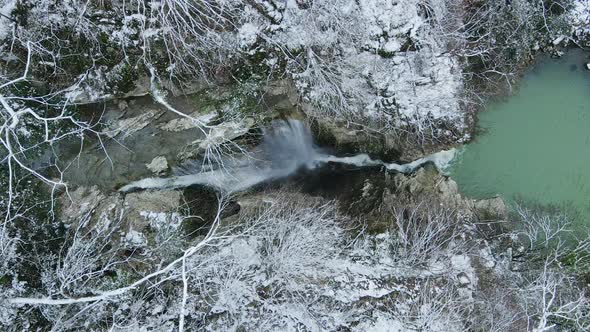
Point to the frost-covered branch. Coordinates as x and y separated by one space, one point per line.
209 240
31 124
552 297
542 229
424 234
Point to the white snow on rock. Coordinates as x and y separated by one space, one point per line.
135 238
158 165
6 8
159 220
248 34
128 126
376 59
185 123
225 132
580 18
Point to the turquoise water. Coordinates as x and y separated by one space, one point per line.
535 145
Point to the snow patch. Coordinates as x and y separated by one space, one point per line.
6 8
135 238
580 18
248 34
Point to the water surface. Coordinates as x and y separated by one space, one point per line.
535 145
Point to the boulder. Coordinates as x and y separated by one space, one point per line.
79 202
158 165
282 97
218 135
146 207
127 126
194 120
493 207
133 215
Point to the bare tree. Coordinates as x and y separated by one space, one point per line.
275 246
542 229
499 310
435 305
552 298
550 295
31 123
424 234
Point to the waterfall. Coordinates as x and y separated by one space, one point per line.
287 147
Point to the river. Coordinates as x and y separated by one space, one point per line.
535 145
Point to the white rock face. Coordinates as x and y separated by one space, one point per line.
558 40
226 132
134 238
181 124
127 126
158 165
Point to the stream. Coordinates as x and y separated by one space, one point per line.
287 148
533 146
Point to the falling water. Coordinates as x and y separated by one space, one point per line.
286 148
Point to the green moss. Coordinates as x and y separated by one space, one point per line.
255 67
569 259
5 280
40 234
203 99
252 67
128 76
21 13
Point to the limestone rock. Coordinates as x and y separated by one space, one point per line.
122 105
558 40
141 205
134 215
141 208
282 96
493 206
354 138
226 132
127 126
79 202
185 123
217 136
158 165
448 187
141 87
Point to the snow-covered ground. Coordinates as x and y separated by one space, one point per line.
580 18
6 7
378 61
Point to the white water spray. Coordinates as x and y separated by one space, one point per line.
286 148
